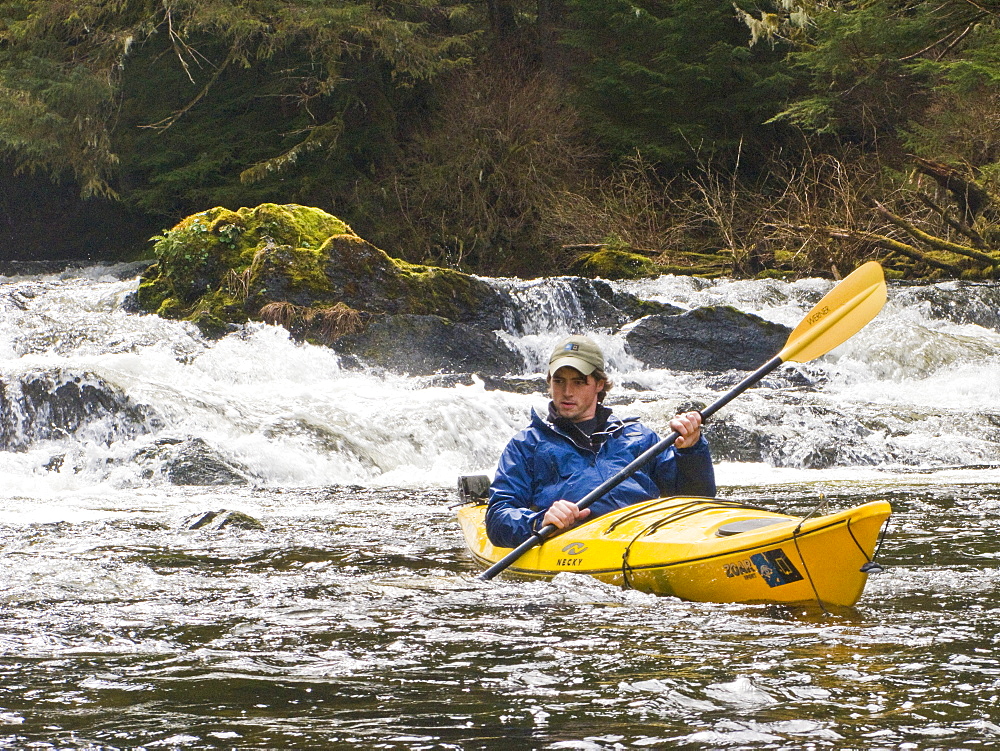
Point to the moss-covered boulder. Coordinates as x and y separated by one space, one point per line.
300 267
614 263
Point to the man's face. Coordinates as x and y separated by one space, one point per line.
574 394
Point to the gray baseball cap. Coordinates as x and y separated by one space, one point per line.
578 352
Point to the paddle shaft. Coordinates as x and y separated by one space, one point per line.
549 529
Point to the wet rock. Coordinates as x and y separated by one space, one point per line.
55 463
632 307
366 278
517 385
190 462
215 520
714 338
960 302
56 404
799 378
792 432
532 384
423 345
306 270
732 442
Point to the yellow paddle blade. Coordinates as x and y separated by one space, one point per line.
837 317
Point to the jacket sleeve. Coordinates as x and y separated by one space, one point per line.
509 516
692 472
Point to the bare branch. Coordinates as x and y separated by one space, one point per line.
880 241
174 117
960 227
950 45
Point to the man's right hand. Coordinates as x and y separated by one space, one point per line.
563 514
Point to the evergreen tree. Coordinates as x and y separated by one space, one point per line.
881 72
675 79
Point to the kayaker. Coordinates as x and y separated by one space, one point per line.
557 460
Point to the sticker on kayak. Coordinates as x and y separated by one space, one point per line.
775 568
573 549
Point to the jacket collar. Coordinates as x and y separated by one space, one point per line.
564 428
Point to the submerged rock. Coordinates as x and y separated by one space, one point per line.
516 384
222 518
960 302
714 338
190 462
55 404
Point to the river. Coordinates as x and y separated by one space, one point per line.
351 616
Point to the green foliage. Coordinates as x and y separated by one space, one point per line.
673 78
879 70
62 67
497 153
57 80
862 85
962 120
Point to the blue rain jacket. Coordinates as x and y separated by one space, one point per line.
546 462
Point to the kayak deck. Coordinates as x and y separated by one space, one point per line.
706 549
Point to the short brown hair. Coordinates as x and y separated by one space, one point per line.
600 375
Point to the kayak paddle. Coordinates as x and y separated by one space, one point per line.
841 314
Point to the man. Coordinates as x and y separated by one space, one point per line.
555 462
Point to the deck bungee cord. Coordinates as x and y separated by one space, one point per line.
687 510
694 506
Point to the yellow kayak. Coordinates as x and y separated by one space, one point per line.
706 550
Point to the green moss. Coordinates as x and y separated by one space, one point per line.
436 291
366 278
222 267
209 266
151 294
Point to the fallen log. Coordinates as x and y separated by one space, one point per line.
937 243
879 241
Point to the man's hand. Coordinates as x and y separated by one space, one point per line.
564 514
688 426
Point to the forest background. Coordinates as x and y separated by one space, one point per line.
515 137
